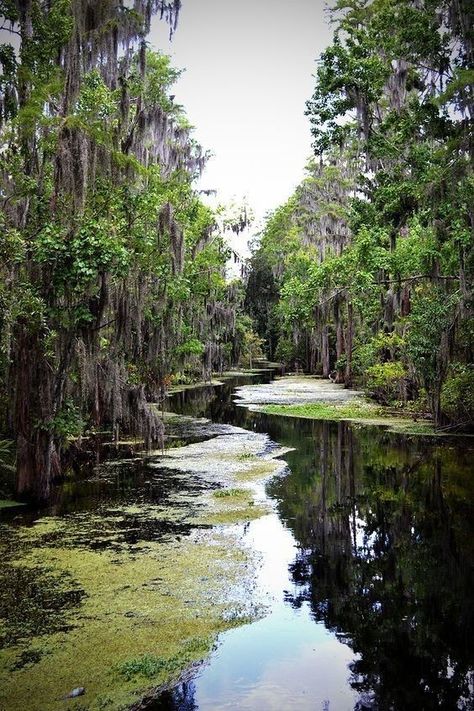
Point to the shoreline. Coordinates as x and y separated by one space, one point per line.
315 398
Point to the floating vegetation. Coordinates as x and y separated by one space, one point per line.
9 504
225 457
150 666
112 609
125 597
192 386
362 412
234 493
294 390
318 399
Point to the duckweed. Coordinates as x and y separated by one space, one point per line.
124 599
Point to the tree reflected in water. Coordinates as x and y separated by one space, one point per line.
385 530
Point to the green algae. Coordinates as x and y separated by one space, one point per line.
241 372
155 602
234 493
126 598
33 601
227 460
358 411
313 397
294 390
193 386
150 666
262 470
225 457
232 506
9 503
233 515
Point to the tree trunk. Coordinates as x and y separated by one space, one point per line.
325 351
405 305
349 344
37 459
38 398
436 404
339 342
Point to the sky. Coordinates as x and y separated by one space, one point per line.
249 68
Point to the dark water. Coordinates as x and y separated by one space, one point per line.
367 561
370 562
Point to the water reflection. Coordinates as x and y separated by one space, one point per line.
385 560
377 572
181 698
383 526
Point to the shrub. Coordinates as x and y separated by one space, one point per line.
387 380
457 396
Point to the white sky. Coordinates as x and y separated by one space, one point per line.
249 67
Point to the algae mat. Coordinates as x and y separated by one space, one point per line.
125 598
294 390
315 398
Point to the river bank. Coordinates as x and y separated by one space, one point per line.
312 397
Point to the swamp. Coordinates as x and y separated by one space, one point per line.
236 357
329 561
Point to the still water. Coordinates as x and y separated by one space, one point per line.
368 566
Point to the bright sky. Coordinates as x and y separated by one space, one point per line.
249 67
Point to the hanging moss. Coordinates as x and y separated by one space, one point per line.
97 178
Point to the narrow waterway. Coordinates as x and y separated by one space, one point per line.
367 565
365 573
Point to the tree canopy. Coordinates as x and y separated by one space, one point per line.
113 269
372 257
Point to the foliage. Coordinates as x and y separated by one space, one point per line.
431 320
250 344
457 395
378 238
113 269
385 380
6 457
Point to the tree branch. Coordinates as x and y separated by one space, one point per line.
419 276
4 28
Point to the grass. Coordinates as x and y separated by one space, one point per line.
9 503
150 666
226 493
356 411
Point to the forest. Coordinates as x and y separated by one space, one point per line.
236 476
365 274
114 267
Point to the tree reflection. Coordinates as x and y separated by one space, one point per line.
386 561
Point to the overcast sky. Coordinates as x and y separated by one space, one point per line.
249 67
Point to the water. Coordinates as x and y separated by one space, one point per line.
368 562
367 568
284 660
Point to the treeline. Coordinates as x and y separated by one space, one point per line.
367 269
112 268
